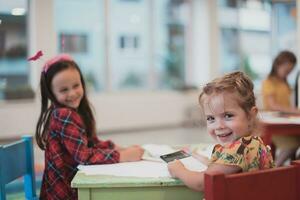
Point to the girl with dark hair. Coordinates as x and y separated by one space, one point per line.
277 97
66 130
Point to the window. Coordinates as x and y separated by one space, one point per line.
73 43
83 37
14 71
243 24
170 24
284 16
129 42
284 30
125 44
246 23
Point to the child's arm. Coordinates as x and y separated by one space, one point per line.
119 148
69 127
192 179
225 169
195 180
127 154
132 153
103 144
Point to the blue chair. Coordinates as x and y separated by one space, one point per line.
16 160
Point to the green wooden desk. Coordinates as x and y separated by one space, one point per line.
101 187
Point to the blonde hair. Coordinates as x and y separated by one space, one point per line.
236 83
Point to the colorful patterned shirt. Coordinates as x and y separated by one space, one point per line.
67 147
249 153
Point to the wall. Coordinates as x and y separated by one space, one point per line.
118 111
114 112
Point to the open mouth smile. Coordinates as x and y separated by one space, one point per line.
224 134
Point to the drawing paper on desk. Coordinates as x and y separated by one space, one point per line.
139 169
154 151
129 169
193 164
206 151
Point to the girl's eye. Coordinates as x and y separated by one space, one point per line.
64 90
228 116
210 119
76 85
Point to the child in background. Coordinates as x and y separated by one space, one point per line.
66 130
229 106
277 97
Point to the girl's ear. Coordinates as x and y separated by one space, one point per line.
253 112
252 119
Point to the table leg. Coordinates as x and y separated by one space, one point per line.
84 193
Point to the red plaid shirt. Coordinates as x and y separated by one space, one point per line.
67 147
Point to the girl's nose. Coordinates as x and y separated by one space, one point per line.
220 124
72 93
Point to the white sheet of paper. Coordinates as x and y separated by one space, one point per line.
139 169
193 164
131 169
156 150
143 168
206 151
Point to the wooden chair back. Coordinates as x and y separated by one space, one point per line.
271 184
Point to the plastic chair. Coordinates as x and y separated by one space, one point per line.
271 184
16 160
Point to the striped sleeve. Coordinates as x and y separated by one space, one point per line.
107 144
73 136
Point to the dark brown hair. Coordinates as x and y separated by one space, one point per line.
281 58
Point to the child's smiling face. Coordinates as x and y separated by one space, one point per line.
67 88
226 120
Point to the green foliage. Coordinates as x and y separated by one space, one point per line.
248 69
132 80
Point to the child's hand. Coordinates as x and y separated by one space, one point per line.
118 148
186 149
175 167
132 153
